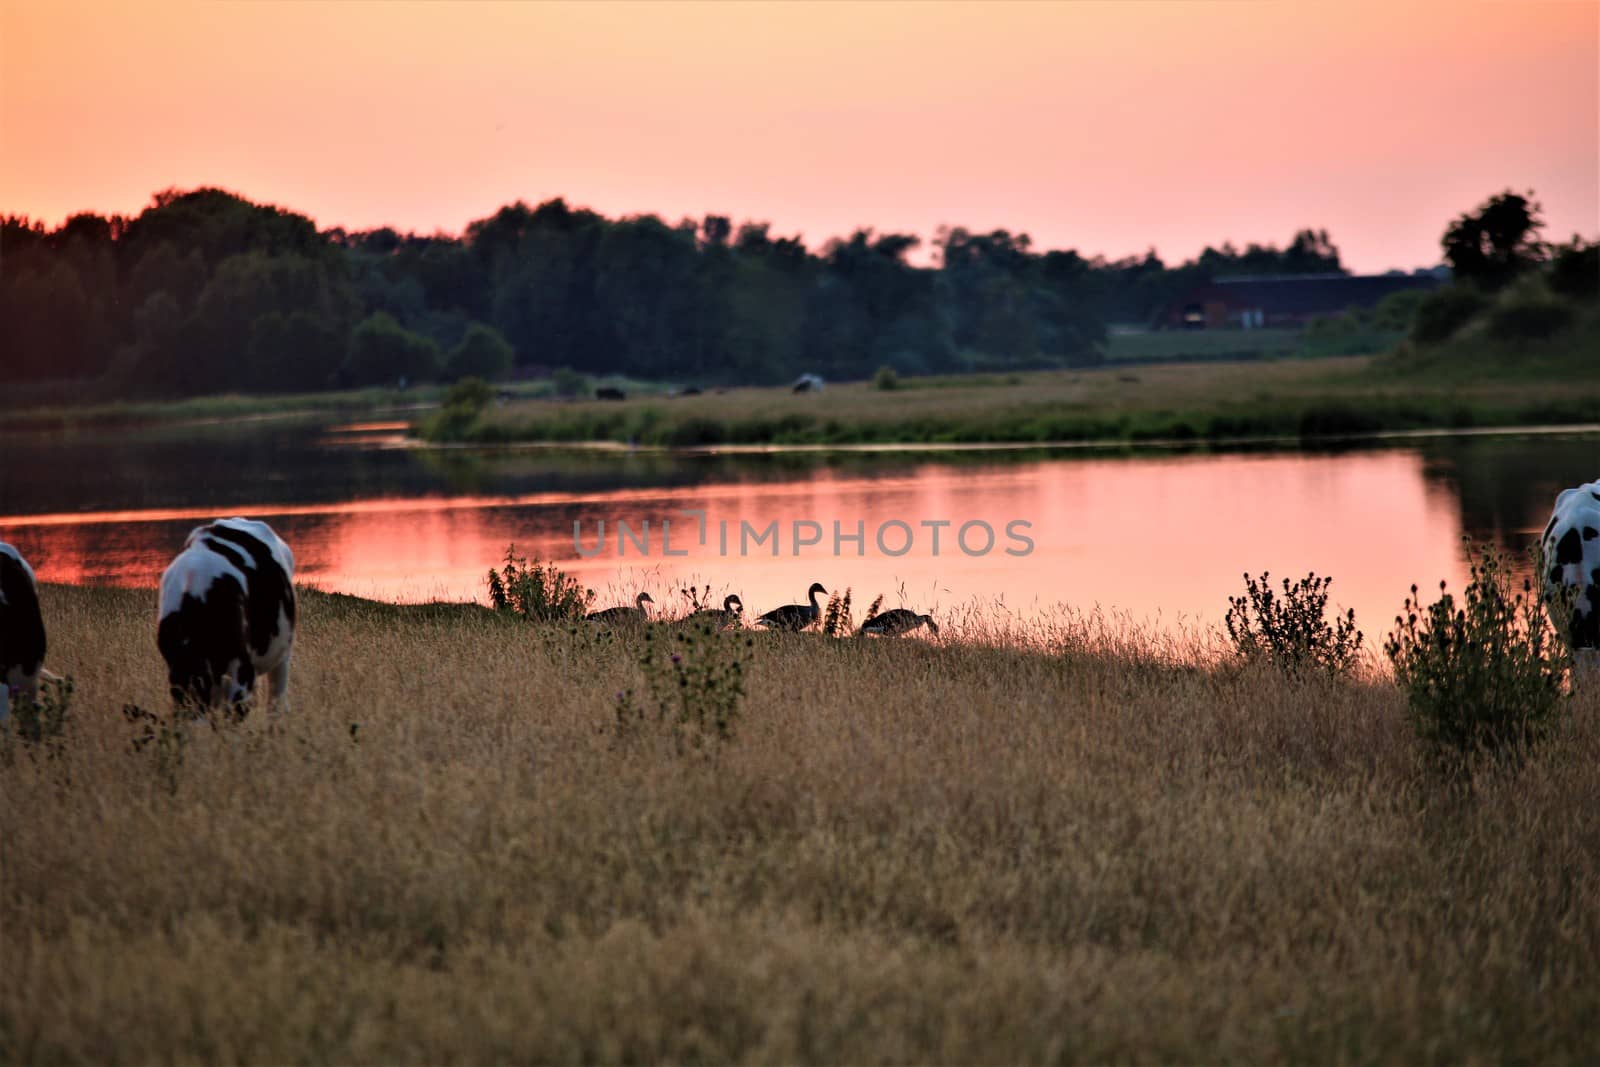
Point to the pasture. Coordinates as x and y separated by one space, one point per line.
1076 841
1175 401
1157 345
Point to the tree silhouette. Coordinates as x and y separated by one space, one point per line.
205 290
1493 244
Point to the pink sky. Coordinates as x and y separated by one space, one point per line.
1103 127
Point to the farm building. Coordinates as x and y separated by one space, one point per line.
1283 300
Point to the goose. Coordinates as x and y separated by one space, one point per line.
727 615
896 622
794 617
616 616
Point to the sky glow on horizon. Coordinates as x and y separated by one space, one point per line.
1108 128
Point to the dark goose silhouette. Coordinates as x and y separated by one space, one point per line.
795 617
616 616
897 622
726 615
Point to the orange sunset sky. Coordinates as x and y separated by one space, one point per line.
1106 127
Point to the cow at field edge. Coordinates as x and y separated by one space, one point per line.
227 614
22 643
1571 555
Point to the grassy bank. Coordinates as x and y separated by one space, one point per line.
1217 401
908 852
55 413
228 406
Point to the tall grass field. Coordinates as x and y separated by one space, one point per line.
473 839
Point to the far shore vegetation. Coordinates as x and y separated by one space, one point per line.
1513 340
243 310
1309 400
205 292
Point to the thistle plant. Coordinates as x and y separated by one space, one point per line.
538 591
1291 630
1483 674
693 691
836 619
38 726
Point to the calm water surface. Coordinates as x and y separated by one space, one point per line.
1162 538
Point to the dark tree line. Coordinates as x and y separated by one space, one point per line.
205 291
1504 275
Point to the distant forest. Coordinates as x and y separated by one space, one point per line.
205 292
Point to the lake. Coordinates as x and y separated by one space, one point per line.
1160 537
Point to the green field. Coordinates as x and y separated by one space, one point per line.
1145 393
56 415
1166 345
1074 842
1175 402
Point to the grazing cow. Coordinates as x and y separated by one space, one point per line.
1571 554
21 630
227 614
606 392
807 383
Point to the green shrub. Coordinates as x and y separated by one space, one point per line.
166 737
568 382
694 689
886 378
38 726
1483 675
1396 311
458 419
1340 324
541 592
469 394
1529 319
1575 271
1444 311
1291 631
382 352
482 353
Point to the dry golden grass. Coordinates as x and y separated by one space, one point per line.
909 853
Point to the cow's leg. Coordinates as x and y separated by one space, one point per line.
278 679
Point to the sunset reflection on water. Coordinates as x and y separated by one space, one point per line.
1163 538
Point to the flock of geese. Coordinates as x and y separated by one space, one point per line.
791 618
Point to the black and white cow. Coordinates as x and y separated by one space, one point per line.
1571 546
21 630
227 614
